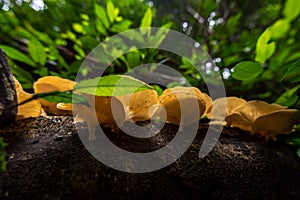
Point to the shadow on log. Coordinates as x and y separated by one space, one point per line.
47 160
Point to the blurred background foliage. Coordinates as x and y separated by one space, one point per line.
254 44
53 37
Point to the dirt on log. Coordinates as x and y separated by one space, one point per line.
47 160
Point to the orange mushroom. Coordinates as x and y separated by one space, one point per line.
51 84
216 109
264 119
30 109
186 99
140 106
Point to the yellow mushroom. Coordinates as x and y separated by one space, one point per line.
51 84
190 100
216 109
140 106
277 122
264 119
107 111
30 109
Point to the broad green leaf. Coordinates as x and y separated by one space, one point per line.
110 10
291 9
289 98
62 97
17 55
101 15
293 73
279 28
37 51
121 26
146 22
112 85
247 70
298 152
264 49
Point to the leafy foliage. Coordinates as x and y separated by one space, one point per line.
253 43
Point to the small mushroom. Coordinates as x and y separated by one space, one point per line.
30 109
182 105
51 84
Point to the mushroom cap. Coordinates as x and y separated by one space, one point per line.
277 122
30 109
51 84
216 110
254 116
109 110
140 106
183 105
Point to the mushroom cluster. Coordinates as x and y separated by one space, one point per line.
257 117
181 106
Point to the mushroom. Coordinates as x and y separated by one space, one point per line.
140 106
216 109
264 119
30 109
277 122
51 84
182 105
104 110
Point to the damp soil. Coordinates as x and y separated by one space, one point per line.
46 159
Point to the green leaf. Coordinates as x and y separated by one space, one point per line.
293 73
158 89
264 49
37 51
232 23
247 70
101 15
78 28
112 85
279 28
100 27
133 59
159 36
25 77
121 26
110 10
17 55
289 98
62 97
291 9
146 22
